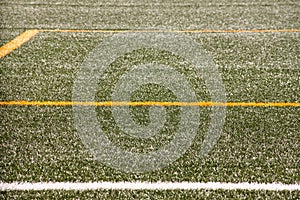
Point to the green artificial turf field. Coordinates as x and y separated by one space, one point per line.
257 144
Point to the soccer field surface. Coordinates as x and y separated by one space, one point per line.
200 99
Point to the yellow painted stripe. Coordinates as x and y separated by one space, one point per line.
17 42
171 31
149 103
27 35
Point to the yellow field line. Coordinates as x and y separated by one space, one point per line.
27 35
171 31
17 42
149 103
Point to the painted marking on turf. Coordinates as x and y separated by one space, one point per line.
17 42
27 35
146 186
149 103
172 31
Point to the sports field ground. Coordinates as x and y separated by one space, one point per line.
150 99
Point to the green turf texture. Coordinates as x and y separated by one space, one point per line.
170 194
263 141
257 144
151 14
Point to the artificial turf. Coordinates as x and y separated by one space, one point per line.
258 144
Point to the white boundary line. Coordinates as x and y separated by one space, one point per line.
146 186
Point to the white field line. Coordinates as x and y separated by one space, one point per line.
146 186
